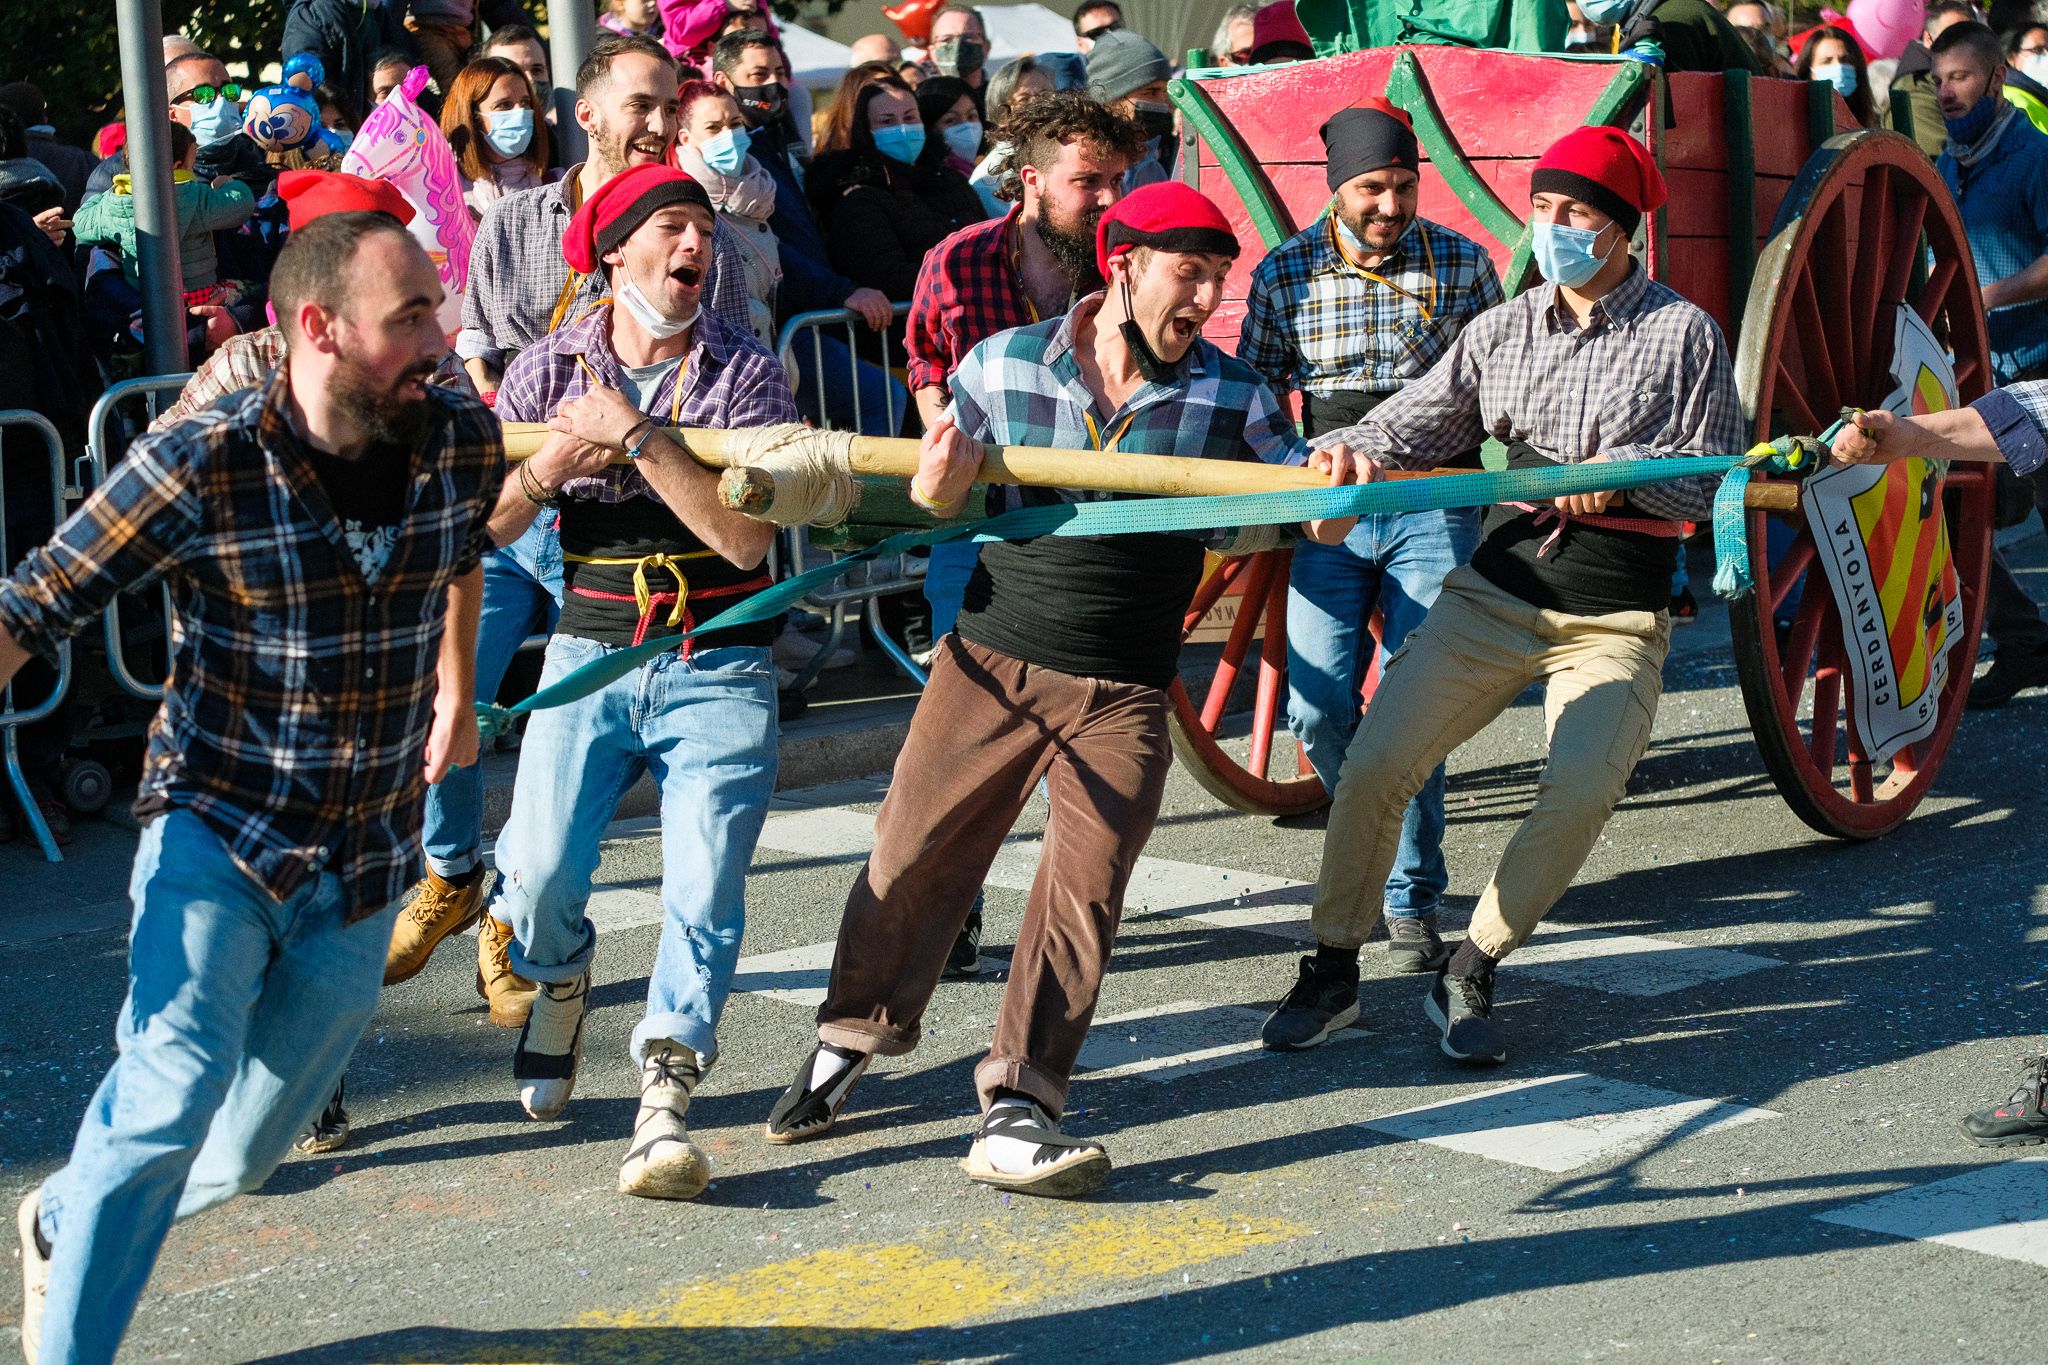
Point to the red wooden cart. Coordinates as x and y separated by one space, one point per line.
1801 234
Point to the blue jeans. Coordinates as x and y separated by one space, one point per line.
1396 563
826 390
522 592
241 1013
705 726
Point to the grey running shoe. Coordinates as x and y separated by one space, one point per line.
1324 999
1462 1006
1414 946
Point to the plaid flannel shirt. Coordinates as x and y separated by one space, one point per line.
1024 387
247 359
727 380
1648 376
967 291
517 273
1317 322
300 696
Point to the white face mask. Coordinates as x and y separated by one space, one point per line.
2033 64
649 317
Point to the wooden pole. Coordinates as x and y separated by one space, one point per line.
751 489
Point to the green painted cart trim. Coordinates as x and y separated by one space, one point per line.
1820 114
1407 89
1269 215
1739 127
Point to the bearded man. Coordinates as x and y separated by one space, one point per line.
1348 312
316 532
1066 167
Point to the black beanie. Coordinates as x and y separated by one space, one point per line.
1368 138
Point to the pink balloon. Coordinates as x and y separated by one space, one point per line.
1887 26
399 143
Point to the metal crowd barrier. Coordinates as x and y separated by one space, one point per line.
10 717
104 446
793 551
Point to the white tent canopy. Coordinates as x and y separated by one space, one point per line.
814 60
1014 30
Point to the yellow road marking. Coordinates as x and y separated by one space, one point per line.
953 1277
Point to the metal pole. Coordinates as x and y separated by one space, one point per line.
148 103
572 27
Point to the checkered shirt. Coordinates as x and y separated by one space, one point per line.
1648 376
517 274
1317 322
295 719
729 380
967 291
1024 387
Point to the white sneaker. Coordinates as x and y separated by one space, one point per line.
662 1162
35 1276
550 1046
1021 1148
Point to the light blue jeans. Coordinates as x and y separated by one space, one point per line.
241 1013
705 727
1395 563
522 593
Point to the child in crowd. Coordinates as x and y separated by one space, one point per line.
633 18
203 209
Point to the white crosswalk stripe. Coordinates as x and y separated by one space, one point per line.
2000 1210
1169 1042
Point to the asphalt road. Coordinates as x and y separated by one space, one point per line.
1726 1131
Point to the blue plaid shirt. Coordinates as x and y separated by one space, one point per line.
1318 322
2018 417
1106 607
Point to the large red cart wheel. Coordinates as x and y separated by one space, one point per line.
1867 228
1260 784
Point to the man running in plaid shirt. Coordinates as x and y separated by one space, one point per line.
1363 301
1058 670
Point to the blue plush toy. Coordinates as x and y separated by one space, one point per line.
285 117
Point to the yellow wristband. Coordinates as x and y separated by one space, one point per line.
929 504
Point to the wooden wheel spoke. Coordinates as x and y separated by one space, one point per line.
1934 293
1824 388
1785 573
1827 700
1905 247
1814 618
1867 270
1272 685
1789 398
1238 645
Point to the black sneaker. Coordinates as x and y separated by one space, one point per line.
329 1132
1685 608
2010 674
1462 1006
964 962
1414 946
803 1113
2020 1121
1324 999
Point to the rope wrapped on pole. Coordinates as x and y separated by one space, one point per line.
795 475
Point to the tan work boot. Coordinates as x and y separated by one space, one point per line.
509 994
439 908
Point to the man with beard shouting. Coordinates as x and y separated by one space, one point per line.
1058 671
1348 311
649 552
320 534
1067 163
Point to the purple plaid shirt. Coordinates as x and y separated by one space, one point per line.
727 380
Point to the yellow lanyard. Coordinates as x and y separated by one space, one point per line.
643 595
1428 269
1095 434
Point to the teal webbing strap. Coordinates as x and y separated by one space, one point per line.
1130 515
1786 455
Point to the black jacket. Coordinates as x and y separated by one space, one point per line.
345 35
889 215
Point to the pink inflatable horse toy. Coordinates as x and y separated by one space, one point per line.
399 143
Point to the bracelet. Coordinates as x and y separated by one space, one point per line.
537 493
929 504
633 450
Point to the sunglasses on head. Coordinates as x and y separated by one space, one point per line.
207 94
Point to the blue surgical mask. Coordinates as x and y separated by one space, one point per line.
1565 255
213 124
509 131
1840 76
726 152
1606 11
903 142
1974 124
964 140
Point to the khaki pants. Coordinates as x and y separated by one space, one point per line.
1464 665
986 730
